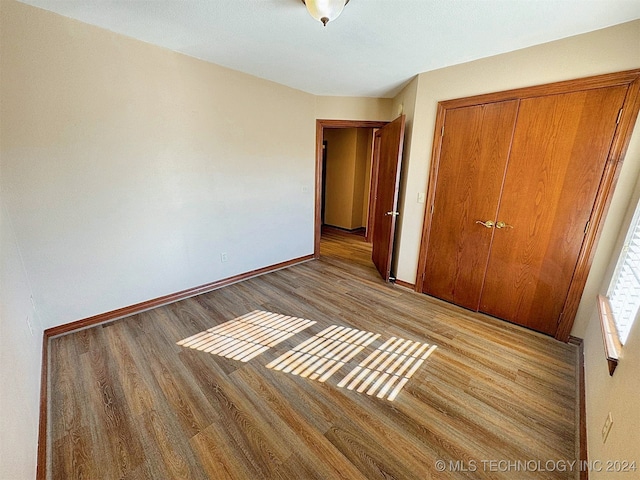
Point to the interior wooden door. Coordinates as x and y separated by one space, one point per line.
475 145
560 149
387 185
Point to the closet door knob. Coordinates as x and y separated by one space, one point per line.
487 224
503 225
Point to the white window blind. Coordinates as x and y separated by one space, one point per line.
624 291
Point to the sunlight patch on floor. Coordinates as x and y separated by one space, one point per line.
247 336
325 353
382 373
388 368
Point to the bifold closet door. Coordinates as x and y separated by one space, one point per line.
560 149
475 147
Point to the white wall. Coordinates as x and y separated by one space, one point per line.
129 169
20 359
609 50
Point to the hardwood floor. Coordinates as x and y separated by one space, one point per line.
126 401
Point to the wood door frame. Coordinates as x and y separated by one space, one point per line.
373 181
619 145
320 126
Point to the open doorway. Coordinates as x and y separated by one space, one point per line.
343 204
384 181
346 179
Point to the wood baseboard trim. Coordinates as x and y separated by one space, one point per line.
166 299
41 466
584 455
404 284
41 459
360 231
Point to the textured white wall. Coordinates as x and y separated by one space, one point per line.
129 169
20 351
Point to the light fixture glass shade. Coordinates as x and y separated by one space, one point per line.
325 10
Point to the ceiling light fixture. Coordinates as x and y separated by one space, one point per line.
325 10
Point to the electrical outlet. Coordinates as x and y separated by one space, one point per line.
224 257
608 423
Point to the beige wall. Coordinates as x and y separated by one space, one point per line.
129 169
347 177
608 50
405 103
360 186
354 108
368 135
340 176
618 394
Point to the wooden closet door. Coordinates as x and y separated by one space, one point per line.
560 149
474 151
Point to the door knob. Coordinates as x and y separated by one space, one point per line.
503 225
394 214
487 224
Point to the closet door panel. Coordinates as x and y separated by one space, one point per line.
560 148
474 151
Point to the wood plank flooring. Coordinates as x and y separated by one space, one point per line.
493 401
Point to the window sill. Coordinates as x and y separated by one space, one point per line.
612 345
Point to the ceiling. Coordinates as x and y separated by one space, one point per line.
372 49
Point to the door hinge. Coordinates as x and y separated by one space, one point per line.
442 131
586 227
619 116
560 318
432 209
